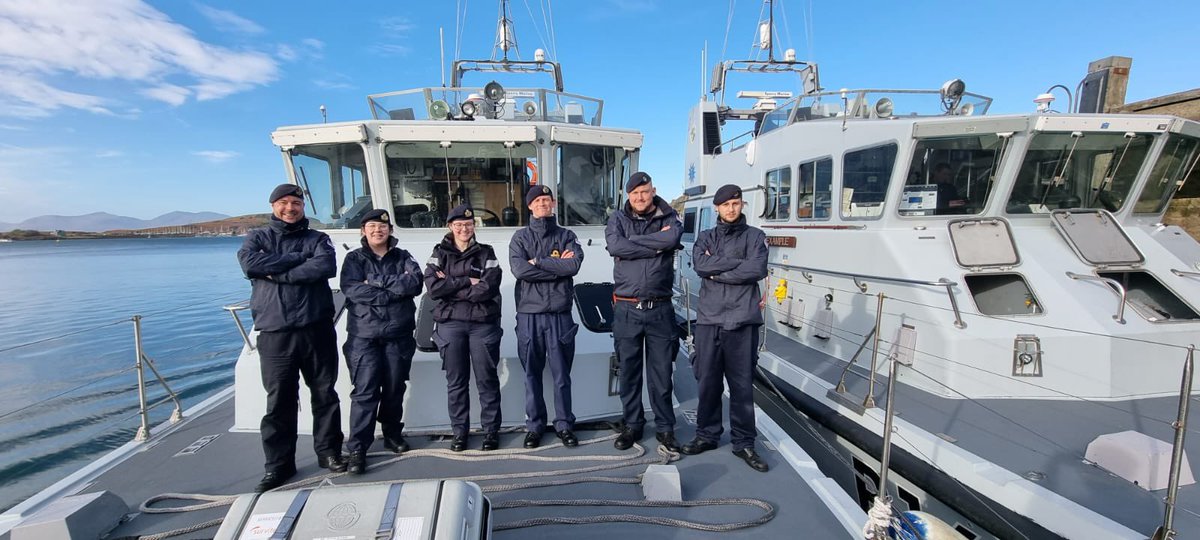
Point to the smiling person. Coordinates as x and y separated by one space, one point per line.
731 259
642 238
463 279
289 266
380 281
544 257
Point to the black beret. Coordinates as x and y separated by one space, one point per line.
460 212
635 180
727 192
377 215
537 191
283 190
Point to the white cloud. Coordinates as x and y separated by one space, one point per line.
286 52
335 81
228 21
11 127
396 24
104 154
315 45
126 40
391 49
168 93
216 156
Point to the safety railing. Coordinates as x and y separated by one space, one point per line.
1118 289
861 280
142 362
233 310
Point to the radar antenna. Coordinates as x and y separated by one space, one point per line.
506 37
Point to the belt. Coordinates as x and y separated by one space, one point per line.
642 303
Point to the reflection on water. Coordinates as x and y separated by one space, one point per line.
68 393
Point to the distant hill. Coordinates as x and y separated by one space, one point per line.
103 221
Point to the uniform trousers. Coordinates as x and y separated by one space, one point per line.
284 357
470 346
646 338
729 355
379 369
547 338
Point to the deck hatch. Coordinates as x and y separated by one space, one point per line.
1096 237
983 243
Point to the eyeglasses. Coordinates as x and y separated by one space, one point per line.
461 225
375 225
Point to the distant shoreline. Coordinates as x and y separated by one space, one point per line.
229 227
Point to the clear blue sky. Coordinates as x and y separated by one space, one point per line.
140 108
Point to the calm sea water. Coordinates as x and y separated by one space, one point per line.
68 393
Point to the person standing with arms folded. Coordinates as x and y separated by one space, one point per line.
380 282
463 278
731 259
289 267
544 257
642 238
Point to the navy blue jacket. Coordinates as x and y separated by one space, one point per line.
454 298
379 292
731 258
544 287
643 253
289 266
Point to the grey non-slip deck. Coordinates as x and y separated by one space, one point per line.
1048 437
232 464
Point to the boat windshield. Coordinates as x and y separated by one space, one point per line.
1177 160
426 179
952 175
1078 170
334 176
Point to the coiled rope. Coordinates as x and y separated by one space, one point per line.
609 462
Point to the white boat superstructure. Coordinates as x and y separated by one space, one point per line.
1016 266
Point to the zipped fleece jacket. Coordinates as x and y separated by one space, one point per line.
289 266
643 253
546 286
731 259
454 298
380 290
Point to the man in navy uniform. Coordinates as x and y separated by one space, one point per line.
731 259
642 237
380 281
463 278
289 266
544 257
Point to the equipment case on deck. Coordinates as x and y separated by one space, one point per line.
428 510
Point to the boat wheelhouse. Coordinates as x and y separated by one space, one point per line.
1016 266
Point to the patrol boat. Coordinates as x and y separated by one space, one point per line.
422 152
981 318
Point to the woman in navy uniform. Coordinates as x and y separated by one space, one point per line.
463 278
380 281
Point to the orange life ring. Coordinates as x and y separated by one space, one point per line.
533 174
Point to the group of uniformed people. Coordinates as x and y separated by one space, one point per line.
290 264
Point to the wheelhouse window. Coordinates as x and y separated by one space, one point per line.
952 175
1175 163
865 177
428 179
814 196
779 194
334 177
1078 170
589 182
689 224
